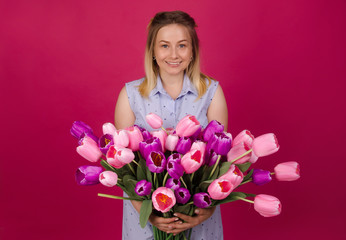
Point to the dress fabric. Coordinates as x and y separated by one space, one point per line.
171 111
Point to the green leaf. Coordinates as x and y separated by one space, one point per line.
141 172
216 173
130 184
185 209
224 168
244 167
108 167
146 209
250 195
204 185
231 198
248 176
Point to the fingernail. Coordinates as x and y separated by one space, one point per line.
175 214
176 219
196 211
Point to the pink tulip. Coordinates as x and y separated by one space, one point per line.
162 135
125 155
243 136
154 120
171 142
108 178
135 137
112 158
121 138
192 160
237 151
187 126
199 145
163 199
253 157
265 145
234 175
89 149
287 171
108 128
267 205
220 188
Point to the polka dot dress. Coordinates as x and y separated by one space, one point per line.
171 111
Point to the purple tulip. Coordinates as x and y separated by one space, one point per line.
105 142
173 184
212 128
261 177
198 135
176 157
149 145
146 134
156 162
143 188
175 169
88 134
88 175
183 145
210 157
182 195
220 143
201 200
78 128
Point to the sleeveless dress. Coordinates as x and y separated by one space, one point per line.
171 111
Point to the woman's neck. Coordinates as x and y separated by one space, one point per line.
173 84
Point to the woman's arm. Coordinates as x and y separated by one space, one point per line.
124 117
217 111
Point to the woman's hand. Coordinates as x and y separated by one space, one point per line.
188 221
164 224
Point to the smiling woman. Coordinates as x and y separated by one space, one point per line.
173 88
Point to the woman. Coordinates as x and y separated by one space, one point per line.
173 87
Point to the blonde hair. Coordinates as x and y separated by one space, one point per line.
193 71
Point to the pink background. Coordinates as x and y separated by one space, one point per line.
281 65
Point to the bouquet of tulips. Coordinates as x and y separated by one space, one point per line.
181 169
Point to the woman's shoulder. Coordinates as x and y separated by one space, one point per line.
134 83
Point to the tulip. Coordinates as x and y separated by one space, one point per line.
146 134
220 188
182 195
220 143
135 137
125 155
187 126
176 157
149 145
253 158
163 199
154 120
121 138
78 128
234 175
173 184
108 178
105 142
156 162
265 145
143 188
212 128
90 135
267 206
112 158
198 135
88 175
211 157
201 200
175 169
237 151
192 160
171 142
89 149
287 171
261 177
162 135
108 128
199 145
243 136
183 145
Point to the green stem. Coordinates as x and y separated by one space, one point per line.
131 168
249 180
215 165
114 197
165 130
165 179
136 163
192 175
155 179
181 179
244 154
244 199
272 173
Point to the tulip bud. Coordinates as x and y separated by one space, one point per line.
163 199
112 158
192 160
183 145
212 128
182 195
149 145
171 142
220 189
173 184
234 175
174 169
143 188
88 175
261 177
237 151
187 126
78 128
135 137
267 205
154 120
108 128
287 171
125 155
220 143
89 149
265 145
162 135
121 138
146 134
243 136
108 178
201 200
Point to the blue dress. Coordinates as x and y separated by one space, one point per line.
171 111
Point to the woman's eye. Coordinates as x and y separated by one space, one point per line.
182 45
164 46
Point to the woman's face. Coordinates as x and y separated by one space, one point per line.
173 50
